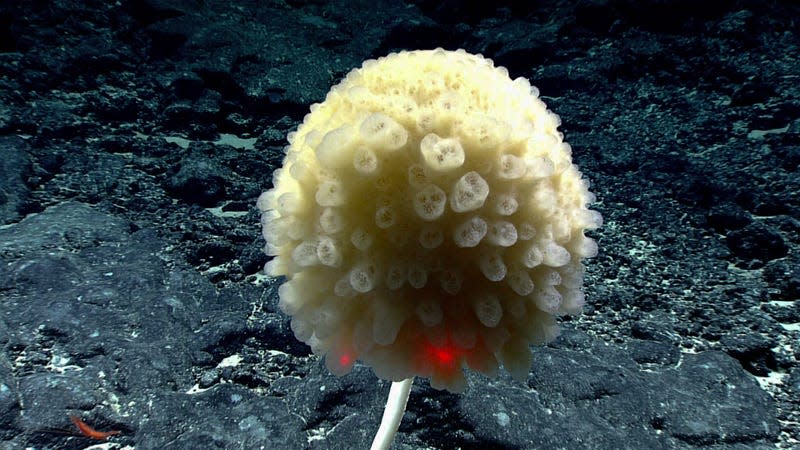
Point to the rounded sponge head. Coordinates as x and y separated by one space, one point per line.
428 219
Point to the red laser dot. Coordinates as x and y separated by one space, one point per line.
345 360
445 356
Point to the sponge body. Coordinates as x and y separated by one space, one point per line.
428 217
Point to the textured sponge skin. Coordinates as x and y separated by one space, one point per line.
428 217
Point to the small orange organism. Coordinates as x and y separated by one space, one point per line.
90 432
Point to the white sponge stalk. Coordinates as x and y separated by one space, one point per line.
393 414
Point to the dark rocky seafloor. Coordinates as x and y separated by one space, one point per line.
136 135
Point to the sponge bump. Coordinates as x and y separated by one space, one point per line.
428 218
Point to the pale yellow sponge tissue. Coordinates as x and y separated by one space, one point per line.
428 218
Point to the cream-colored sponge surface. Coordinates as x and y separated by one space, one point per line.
428 218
